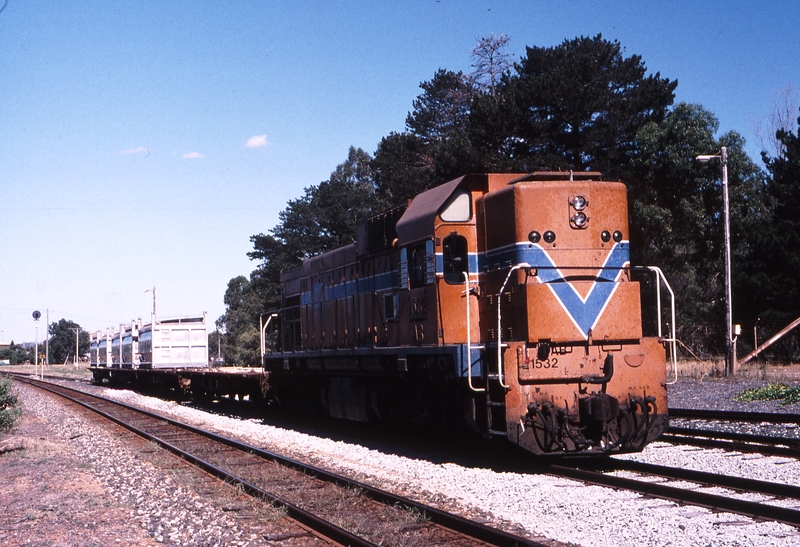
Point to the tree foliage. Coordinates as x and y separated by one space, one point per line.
323 219
435 147
62 341
580 105
403 167
16 354
772 283
676 207
241 339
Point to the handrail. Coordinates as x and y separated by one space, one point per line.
469 338
499 322
263 327
673 338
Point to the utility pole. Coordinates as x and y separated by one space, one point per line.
47 338
77 339
154 300
730 340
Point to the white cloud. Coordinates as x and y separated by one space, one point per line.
257 141
193 156
137 150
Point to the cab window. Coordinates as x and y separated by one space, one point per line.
455 258
458 208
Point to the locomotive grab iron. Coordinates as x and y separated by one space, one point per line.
498 302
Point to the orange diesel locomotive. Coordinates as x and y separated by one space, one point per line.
498 302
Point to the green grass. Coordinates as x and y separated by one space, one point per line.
773 392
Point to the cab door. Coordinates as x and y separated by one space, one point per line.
457 263
457 269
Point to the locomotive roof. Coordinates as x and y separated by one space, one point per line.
417 222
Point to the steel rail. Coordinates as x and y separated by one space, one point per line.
705 441
456 523
322 527
711 501
714 479
734 416
768 440
734 436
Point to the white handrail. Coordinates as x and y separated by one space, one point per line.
262 327
469 338
672 340
500 325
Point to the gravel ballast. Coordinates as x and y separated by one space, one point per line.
541 505
150 496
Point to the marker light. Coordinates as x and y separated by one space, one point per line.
579 203
579 220
534 237
617 236
549 236
605 236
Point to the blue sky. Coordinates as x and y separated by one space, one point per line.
144 142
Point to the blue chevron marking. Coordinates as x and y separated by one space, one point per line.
584 312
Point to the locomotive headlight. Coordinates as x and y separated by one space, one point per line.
579 203
579 220
534 237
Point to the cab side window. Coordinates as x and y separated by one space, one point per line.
456 258
416 266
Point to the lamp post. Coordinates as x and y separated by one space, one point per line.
153 290
730 342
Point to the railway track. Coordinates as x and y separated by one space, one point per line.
735 416
311 496
693 495
709 436
602 472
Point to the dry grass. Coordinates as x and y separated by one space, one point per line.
68 371
701 370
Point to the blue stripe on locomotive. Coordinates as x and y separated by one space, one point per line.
584 311
379 282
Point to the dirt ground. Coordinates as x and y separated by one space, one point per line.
49 497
